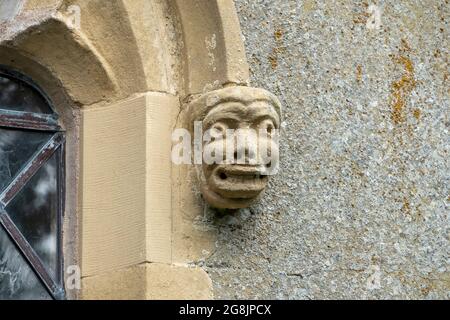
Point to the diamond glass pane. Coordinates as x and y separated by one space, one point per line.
16 149
17 280
34 210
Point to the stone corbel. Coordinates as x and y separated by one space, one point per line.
240 127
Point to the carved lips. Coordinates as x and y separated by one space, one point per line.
238 181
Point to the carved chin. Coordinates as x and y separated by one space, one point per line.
234 186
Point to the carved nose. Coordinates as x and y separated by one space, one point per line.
245 153
246 143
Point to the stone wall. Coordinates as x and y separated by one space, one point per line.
360 206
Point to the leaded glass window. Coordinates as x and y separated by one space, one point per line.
31 192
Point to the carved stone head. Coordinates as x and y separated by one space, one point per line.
240 132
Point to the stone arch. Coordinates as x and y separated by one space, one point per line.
214 53
122 47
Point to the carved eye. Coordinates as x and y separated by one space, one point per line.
220 128
267 125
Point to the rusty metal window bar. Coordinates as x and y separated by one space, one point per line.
32 191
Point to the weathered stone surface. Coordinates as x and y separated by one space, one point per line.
360 206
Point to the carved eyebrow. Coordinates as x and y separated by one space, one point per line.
233 111
229 117
230 112
261 117
265 117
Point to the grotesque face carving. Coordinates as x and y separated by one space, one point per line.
240 146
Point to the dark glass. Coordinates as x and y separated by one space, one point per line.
17 280
16 149
34 211
20 96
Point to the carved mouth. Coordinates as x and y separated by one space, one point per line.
238 181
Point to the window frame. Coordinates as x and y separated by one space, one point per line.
49 123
